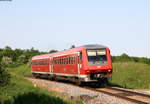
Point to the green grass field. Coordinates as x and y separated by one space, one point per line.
22 91
131 75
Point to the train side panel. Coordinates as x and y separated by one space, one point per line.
66 65
40 66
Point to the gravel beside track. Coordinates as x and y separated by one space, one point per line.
78 93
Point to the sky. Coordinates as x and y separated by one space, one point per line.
121 25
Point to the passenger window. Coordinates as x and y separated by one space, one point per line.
73 60
80 57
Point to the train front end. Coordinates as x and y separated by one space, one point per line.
97 64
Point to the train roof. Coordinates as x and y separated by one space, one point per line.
76 49
94 46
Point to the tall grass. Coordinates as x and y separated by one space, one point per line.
131 75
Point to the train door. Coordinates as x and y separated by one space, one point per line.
51 69
79 62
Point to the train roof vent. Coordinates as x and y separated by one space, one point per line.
94 46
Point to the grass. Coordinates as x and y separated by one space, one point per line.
131 75
22 91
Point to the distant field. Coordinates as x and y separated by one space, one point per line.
131 75
22 91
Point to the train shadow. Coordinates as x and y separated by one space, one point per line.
89 85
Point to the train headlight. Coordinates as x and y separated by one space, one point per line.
86 79
109 70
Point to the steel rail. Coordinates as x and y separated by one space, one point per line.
122 96
129 91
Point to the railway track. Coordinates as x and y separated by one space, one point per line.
132 96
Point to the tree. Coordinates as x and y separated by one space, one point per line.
7 48
6 61
22 59
73 46
53 51
4 77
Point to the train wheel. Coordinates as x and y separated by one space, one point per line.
35 75
79 83
102 82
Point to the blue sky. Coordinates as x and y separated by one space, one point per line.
122 25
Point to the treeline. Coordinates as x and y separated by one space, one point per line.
125 58
9 56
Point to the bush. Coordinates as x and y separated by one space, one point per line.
4 77
6 61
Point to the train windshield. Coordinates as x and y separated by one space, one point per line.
97 56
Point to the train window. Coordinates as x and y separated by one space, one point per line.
72 60
97 56
47 62
58 61
39 62
55 61
80 57
67 60
64 60
43 62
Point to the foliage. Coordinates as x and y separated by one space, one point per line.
6 61
22 59
53 51
4 77
18 56
22 91
125 58
131 75
73 46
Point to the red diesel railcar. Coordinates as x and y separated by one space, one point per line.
88 63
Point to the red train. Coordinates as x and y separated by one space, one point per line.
88 63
